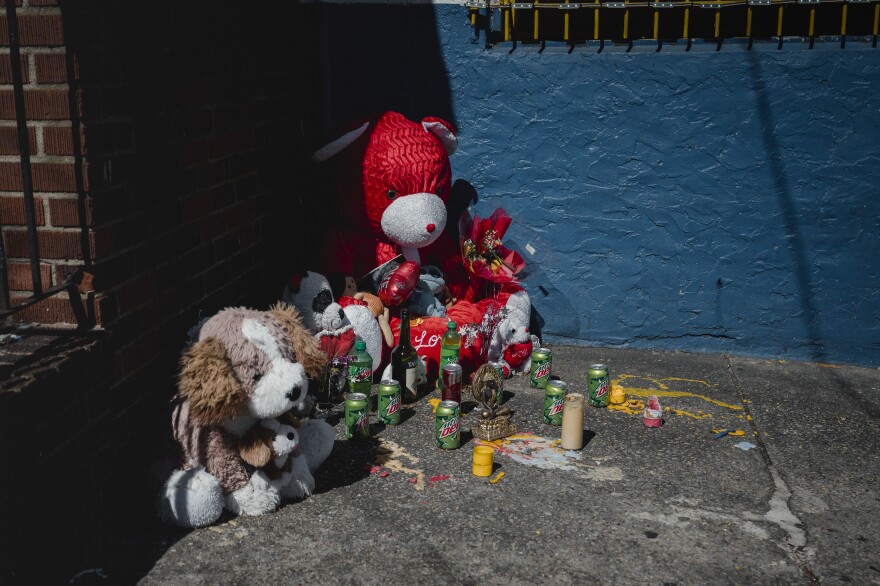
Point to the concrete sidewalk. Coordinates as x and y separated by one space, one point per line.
672 505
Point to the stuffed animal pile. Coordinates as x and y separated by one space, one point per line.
389 183
242 445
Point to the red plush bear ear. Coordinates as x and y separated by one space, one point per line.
442 130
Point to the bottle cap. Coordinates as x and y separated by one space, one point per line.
451 325
360 345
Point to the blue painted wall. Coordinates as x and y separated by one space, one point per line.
702 201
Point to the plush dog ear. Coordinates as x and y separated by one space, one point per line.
255 446
306 348
208 383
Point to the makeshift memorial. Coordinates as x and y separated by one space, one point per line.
242 368
388 181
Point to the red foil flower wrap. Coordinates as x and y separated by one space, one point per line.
399 283
483 252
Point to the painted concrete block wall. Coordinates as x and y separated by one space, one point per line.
705 201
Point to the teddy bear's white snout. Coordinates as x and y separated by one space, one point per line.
333 317
400 226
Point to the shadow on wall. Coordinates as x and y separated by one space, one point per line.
381 57
790 214
190 114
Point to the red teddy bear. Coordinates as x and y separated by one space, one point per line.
389 183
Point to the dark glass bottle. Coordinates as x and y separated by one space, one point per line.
404 361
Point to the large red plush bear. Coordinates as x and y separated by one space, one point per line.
389 182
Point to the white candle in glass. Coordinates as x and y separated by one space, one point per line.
573 422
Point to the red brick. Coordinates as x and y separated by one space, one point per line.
20 278
9 140
6 69
35 30
12 211
58 140
65 213
51 67
43 3
53 310
38 105
45 176
54 244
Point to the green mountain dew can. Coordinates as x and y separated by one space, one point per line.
542 361
388 397
357 416
446 425
554 397
599 385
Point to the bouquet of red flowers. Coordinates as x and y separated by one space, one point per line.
484 254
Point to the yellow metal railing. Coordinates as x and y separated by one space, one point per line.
674 20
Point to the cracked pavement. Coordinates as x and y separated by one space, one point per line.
788 496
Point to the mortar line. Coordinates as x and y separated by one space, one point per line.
798 553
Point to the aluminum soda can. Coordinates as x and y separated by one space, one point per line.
599 385
388 402
357 416
451 388
446 425
499 397
542 361
554 397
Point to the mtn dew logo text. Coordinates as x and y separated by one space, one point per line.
542 361
447 425
599 385
358 374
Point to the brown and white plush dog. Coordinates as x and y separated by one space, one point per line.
245 366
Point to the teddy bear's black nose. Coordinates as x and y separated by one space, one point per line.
290 436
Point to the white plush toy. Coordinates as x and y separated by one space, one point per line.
244 366
513 329
311 294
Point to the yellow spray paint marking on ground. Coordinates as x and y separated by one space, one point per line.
737 432
662 389
687 413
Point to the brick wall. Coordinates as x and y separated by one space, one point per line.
166 155
54 166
